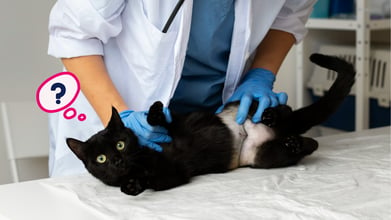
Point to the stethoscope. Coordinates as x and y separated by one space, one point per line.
172 16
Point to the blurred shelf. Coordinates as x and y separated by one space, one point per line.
346 24
362 25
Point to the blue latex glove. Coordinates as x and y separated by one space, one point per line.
147 135
256 85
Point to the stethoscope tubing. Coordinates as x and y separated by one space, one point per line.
172 16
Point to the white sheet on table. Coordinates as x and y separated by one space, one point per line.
347 178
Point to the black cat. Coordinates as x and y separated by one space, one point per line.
204 142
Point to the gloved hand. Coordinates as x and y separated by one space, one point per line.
256 85
147 135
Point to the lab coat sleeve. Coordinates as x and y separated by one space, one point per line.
293 16
81 27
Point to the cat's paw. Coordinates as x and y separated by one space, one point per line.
274 116
293 144
132 187
269 117
156 115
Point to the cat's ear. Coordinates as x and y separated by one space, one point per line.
77 147
115 120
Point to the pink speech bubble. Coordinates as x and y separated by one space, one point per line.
58 92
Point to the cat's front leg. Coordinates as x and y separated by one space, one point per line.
132 186
156 115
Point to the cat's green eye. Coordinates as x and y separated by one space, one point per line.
101 158
120 145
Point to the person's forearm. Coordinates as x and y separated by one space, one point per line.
96 84
272 51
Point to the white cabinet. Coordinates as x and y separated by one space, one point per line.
359 32
26 135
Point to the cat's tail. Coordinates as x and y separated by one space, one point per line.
305 118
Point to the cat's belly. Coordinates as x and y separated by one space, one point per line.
248 138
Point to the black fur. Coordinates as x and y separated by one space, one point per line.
203 143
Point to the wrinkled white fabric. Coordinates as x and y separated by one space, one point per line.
348 177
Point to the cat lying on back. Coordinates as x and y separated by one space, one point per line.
203 142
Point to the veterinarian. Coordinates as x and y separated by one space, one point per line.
213 52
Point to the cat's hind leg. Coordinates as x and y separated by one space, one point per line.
284 151
272 116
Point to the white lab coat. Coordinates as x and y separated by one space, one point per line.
144 63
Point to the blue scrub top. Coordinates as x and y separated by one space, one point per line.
203 75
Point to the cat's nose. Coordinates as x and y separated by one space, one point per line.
118 162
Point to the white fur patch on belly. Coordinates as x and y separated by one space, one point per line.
247 137
238 133
257 134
